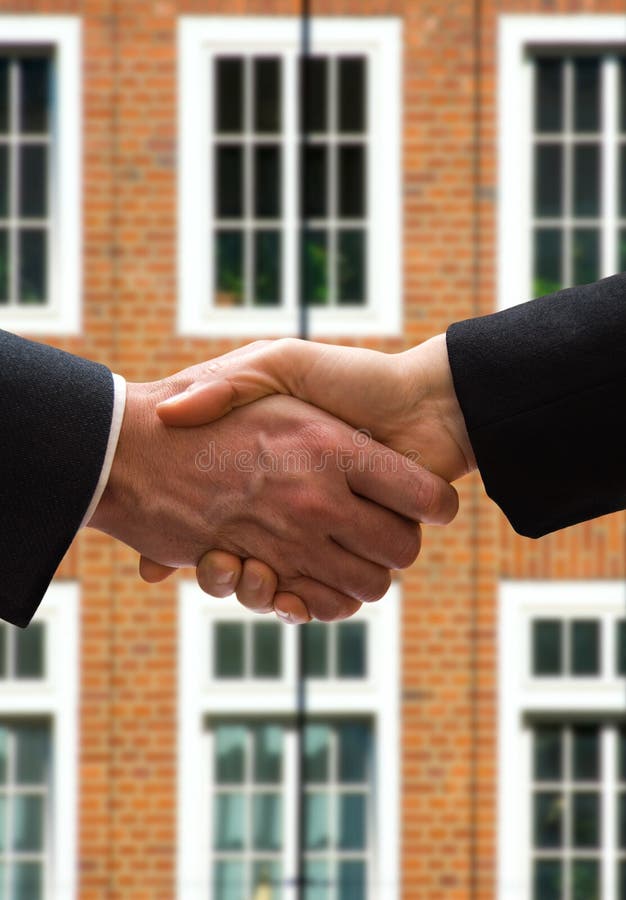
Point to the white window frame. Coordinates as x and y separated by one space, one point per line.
520 693
199 696
61 314
516 33
381 40
56 697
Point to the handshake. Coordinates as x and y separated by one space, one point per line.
293 474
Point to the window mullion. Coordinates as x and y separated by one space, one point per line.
609 166
13 181
331 185
290 814
608 832
247 182
290 269
567 271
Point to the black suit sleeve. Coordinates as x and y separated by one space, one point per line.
56 412
542 387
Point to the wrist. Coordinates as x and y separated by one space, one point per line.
432 387
121 497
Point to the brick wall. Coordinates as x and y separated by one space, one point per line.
128 702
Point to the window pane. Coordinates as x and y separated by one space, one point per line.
229 881
621 647
547 649
586 180
352 880
29 651
228 650
351 650
548 180
34 95
3 824
229 825
228 94
585 647
621 738
33 191
314 273
27 881
316 750
548 819
314 179
621 879
585 879
4 96
267 268
548 754
33 753
549 95
4 753
351 264
4 297
267 821
268 754
586 248
548 880
229 288
316 836
586 820
267 107
622 181
230 748
621 826
315 649
267 181
586 95
267 645
354 752
586 753
352 819
352 89
622 250
622 92
318 882
313 94
548 261
27 822
267 876
4 181
33 266
229 182
351 181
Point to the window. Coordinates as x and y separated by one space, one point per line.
243 745
39 164
38 751
562 750
269 220
562 152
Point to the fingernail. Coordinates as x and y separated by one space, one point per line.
285 617
224 578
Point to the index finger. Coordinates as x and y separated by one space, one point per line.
400 484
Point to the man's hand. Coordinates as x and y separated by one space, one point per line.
406 401
278 481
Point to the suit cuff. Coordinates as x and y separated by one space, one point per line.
119 404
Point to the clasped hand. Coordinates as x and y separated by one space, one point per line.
302 513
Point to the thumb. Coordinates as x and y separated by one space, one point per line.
203 401
152 572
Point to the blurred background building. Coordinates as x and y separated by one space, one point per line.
465 737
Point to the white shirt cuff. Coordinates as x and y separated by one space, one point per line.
119 403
